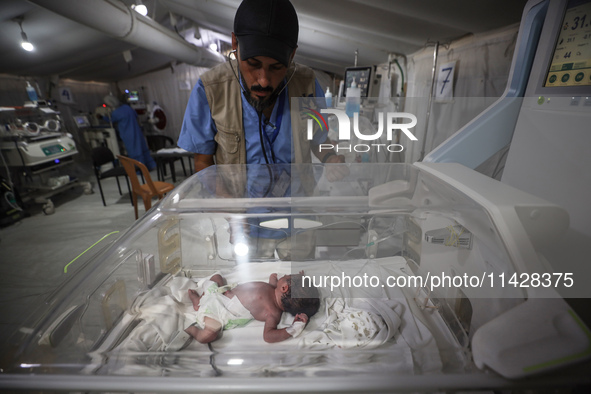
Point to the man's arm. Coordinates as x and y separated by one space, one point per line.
198 129
329 156
202 161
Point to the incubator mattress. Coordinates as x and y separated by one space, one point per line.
360 329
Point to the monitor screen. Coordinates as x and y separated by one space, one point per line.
571 60
133 96
81 121
362 77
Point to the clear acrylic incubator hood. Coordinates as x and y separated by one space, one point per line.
421 271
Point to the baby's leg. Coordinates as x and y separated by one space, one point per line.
208 334
195 298
220 280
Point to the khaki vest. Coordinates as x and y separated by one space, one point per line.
225 102
224 96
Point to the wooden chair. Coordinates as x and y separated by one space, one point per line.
102 155
146 191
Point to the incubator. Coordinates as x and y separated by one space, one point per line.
371 241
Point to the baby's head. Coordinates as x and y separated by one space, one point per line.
300 298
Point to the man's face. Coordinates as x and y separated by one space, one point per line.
262 78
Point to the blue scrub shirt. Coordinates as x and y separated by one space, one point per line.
198 129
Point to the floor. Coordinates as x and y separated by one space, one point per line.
35 250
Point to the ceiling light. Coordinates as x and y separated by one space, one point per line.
241 248
27 46
25 43
140 8
213 46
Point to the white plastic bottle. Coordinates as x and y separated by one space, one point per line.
328 97
32 93
353 103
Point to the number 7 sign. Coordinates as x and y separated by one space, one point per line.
445 77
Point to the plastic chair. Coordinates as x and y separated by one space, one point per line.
157 142
102 155
146 191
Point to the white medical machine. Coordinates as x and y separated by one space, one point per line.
543 119
433 277
96 134
36 151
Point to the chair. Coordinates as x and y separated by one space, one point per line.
102 155
146 191
157 142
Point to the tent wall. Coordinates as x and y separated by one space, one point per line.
170 88
482 68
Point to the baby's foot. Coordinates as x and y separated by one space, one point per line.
195 298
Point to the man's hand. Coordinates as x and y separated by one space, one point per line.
335 172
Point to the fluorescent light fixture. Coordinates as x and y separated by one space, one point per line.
235 361
213 46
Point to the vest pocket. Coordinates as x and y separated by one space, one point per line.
228 146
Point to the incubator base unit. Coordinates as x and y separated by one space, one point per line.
413 264
36 151
40 152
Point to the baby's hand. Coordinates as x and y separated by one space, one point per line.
301 317
296 328
273 279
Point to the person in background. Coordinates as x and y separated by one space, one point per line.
239 112
125 119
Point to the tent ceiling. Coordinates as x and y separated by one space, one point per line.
330 33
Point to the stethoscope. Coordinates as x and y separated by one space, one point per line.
262 134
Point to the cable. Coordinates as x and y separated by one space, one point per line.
7 170
295 66
263 148
259 113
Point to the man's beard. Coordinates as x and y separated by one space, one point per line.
261 104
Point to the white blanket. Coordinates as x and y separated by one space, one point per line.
163 311
356 323
383 323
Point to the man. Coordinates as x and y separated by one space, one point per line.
125 118
239 112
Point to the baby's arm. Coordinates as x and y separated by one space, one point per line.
271 334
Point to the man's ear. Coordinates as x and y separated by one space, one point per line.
292 55
234 42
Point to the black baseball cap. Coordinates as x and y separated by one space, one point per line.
266 28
